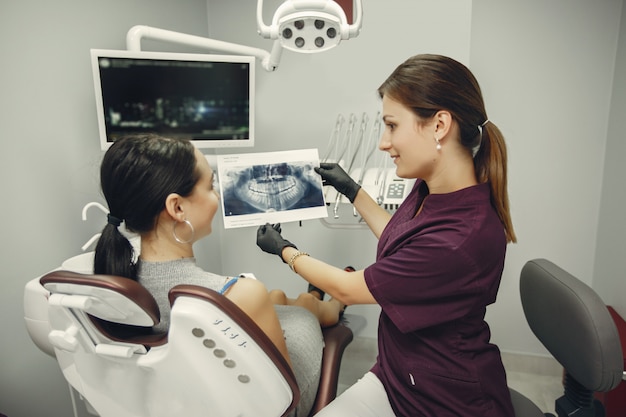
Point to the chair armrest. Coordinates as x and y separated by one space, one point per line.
248 325
336 339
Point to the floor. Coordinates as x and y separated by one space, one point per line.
538 378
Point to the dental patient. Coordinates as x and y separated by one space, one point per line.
164 190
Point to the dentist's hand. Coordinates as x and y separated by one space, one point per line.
333 174
268 238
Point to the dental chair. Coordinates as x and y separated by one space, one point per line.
213 361
574 324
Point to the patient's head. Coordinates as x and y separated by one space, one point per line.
139 172
139 176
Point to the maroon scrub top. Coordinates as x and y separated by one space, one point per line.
434 276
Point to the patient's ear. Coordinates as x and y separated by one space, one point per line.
174 208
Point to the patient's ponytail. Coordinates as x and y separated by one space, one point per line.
137 175
114 254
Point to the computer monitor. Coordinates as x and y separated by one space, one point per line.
208 99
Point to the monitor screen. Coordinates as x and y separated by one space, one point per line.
208 99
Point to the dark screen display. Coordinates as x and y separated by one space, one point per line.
195 100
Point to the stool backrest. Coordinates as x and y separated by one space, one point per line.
573 323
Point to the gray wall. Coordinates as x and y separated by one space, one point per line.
552 76
610 263
547 71
49 160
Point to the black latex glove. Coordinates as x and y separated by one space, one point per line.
333 174
268 238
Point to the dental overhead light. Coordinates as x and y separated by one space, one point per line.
309 26
306 26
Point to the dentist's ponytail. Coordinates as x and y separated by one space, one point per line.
490 164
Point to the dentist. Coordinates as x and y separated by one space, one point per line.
440 257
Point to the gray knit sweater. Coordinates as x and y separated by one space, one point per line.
302 331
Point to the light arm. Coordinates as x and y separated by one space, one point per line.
269 61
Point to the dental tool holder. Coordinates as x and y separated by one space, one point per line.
387 189
384 186
353 145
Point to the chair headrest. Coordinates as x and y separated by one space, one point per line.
112 298
573 323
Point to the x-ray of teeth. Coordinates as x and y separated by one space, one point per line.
270 187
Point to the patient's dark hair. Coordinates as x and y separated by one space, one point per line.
137 174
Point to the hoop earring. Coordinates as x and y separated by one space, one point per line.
179 240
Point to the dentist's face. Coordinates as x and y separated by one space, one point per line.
410 144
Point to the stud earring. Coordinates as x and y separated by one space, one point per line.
438 144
